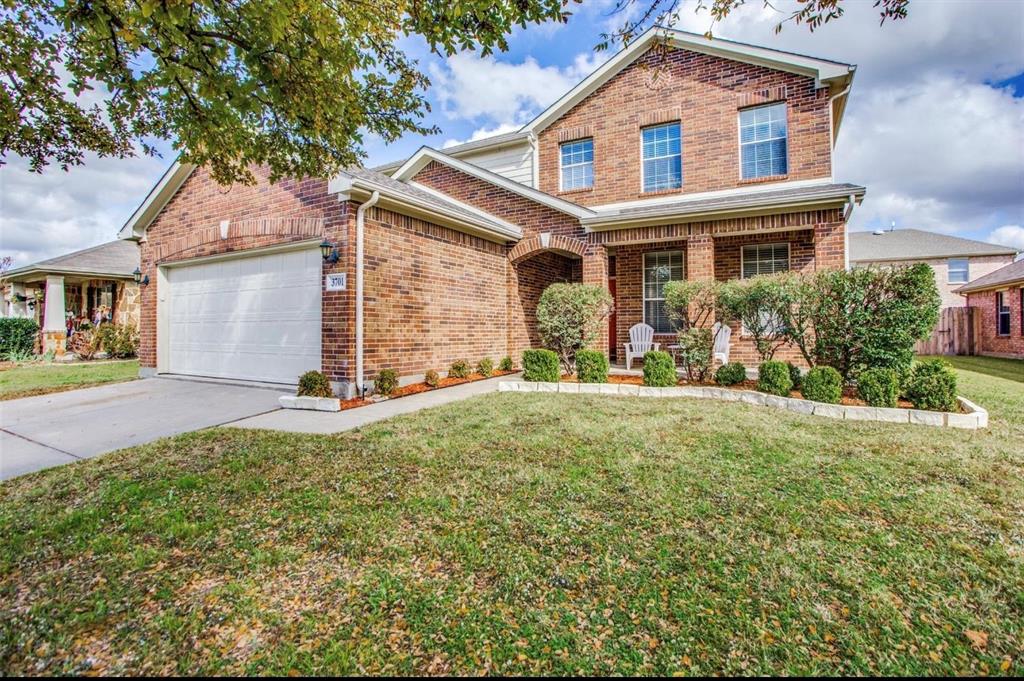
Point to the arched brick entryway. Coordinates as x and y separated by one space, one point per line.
563 245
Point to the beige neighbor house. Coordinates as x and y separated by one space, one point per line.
955 260
76 285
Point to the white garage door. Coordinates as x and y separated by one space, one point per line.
255 318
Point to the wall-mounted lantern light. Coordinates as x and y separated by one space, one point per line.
329 252
139 279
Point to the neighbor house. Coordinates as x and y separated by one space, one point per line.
682 157
78 285
999 298
955 260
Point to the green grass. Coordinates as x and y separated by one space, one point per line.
39 379
531 534
1012 369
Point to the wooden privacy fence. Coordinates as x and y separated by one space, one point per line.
956 333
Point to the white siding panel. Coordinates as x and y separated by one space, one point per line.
513 162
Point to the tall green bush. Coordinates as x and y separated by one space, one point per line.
693 303
758 304
540 366
696 350
592 366
17 336
570 317
119 341
659 369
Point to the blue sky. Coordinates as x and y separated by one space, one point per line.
934 129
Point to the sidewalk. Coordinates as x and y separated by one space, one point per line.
300 421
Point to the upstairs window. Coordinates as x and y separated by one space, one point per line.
1002 315
662 157
577 165
958 271
764 259
763 141
659 269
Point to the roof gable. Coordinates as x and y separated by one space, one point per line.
917 244
114 259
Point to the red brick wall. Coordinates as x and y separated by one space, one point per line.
990 341
705 94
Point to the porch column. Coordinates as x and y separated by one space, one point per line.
830 246
85 299
54 329
700 259
595 271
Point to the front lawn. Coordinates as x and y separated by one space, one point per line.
1012 369
38 379
531 534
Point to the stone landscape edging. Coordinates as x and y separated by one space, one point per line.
974 416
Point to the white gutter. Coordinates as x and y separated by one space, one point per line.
360 222
832 127
847 212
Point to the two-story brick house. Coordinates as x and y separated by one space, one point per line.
681 157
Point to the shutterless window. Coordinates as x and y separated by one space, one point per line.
662 148
764 259
763 141
958 271
577 165
659 269
1002 315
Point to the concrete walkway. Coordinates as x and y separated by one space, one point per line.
299 421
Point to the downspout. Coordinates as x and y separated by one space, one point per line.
847 212
360 228
534 160
832 128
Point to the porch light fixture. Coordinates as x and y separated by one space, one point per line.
139 279
329 252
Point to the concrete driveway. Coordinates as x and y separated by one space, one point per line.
51 430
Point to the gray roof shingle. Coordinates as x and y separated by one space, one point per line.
911 244
117 258
1008 274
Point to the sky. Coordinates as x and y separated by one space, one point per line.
934 127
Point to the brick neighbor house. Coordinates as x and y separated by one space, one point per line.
681 157
999 297
954 260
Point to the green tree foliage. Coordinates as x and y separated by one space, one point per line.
291 84
569 318
17 336
758 304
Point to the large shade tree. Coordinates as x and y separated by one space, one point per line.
292 84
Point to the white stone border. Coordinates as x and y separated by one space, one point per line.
974 417
310 403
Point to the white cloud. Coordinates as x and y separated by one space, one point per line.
1008 235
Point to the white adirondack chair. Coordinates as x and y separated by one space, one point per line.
722 335
641 341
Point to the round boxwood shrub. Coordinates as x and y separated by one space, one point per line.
773 378
591 366
541 366
795 375
879 387
314 384
731 374
506 364
932 386
459 369
387 381
485 367
431 378
823 384
659 369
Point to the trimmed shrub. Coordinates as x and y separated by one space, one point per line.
17 336
659 369
879 387
387 381
932 385
591 366
431 378
773 378
314 384
823 384
795 375
459 369
570 317
485 367
119 341
506 364
731 374
541 366
696 348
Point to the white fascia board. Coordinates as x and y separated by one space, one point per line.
425 155
823 71
156 199
697 196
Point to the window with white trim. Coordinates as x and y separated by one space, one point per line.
763 141
659 269
959 270
662 152
1002 315
577 159
764 259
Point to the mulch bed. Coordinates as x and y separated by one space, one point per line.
417 388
